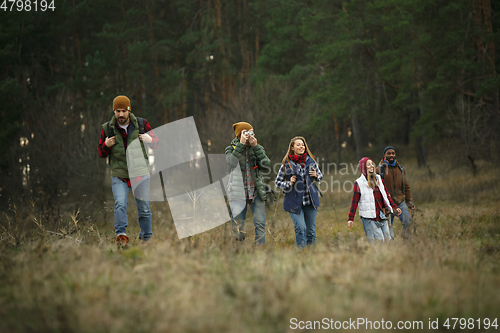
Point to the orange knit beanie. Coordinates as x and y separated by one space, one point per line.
121 102
239 127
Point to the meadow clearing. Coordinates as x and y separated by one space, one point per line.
83 283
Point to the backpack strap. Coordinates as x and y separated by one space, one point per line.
140 122
381 170
109 134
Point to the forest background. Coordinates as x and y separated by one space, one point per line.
350 76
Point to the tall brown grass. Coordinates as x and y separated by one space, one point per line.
207 283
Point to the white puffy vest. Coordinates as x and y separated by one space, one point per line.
367 201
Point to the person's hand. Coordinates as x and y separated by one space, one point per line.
293 179
398 211
313 173
252 140
110 142
349 224
244 138
145 138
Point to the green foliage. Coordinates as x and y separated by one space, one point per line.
385 70
392 63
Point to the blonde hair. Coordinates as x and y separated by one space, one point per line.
290 146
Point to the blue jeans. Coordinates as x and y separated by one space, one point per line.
374 232
120 192
405 220
259 220
305 226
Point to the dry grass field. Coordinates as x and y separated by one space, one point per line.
83 283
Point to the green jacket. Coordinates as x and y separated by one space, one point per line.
256 157
138 157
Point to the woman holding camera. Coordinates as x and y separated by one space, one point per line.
245 154
296 178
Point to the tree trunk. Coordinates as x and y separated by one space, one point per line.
152 44
379 112
496 123
356 130
338 144
486 53
420 147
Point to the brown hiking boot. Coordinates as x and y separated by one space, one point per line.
122 240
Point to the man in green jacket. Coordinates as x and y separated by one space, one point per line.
251 157
116 135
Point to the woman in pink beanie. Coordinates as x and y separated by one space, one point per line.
374 203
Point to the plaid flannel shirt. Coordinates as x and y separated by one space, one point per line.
379 201
302 171
104 150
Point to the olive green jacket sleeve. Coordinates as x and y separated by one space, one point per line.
233 155
262 160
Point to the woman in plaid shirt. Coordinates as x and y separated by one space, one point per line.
296 178
371 195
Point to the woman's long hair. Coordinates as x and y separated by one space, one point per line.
371 177
290 146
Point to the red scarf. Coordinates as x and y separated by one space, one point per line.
299 159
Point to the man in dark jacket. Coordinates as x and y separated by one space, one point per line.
251 157
396 181
116 135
